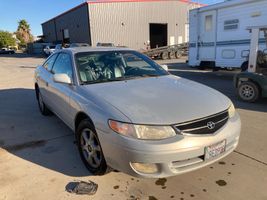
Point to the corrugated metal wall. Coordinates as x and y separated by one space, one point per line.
49 31
127 24
122 23
76 21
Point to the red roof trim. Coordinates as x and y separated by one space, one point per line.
118 1
121 1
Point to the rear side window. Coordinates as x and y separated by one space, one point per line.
49 63
63 65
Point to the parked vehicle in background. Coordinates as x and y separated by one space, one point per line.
49 49
58 47
251 83
112 98
168 52
73 45
101 44
218 34
7 51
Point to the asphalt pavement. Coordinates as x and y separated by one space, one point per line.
39 157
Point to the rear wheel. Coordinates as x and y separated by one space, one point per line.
42 107
248 91
90 149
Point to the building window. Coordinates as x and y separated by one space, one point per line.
208 23
231 24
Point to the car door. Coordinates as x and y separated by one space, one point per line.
44 78
59 93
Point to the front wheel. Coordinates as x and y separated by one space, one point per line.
42 107
248 91
90 149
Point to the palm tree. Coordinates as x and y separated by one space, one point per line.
24 32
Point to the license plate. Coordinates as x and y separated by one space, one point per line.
215 150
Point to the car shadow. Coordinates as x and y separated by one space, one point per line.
44 141
22 55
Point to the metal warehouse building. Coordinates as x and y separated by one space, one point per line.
132 23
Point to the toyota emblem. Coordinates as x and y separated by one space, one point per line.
211 125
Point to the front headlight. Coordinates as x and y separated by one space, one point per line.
231 110
143 132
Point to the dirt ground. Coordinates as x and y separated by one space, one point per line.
39 158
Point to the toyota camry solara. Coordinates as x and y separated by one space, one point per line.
129 113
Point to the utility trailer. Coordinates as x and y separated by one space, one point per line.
168 52
218 35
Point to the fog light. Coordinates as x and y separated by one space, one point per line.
145 168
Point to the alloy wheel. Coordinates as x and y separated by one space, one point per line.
91 148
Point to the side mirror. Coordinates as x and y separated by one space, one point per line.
62 78
165 67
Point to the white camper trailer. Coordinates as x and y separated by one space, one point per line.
218 33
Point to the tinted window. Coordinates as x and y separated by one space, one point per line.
49 63
115 66
63 65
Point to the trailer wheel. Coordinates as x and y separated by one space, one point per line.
164 55
172 55
248 91
178 54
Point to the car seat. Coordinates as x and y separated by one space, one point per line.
114 69
86 73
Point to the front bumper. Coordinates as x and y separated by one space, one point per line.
172 156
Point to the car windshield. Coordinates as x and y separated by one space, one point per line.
97 67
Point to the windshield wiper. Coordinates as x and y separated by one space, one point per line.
123 78
149 75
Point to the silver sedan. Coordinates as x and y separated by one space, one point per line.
129 113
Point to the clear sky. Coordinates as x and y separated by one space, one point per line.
39 11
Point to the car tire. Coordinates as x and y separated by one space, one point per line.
90 149
248 91
42 107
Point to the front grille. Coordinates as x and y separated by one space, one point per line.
207 125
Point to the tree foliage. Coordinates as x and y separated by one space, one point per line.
24 32
6 39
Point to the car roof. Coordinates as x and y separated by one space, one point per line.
95 49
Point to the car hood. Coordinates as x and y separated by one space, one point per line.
160 100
